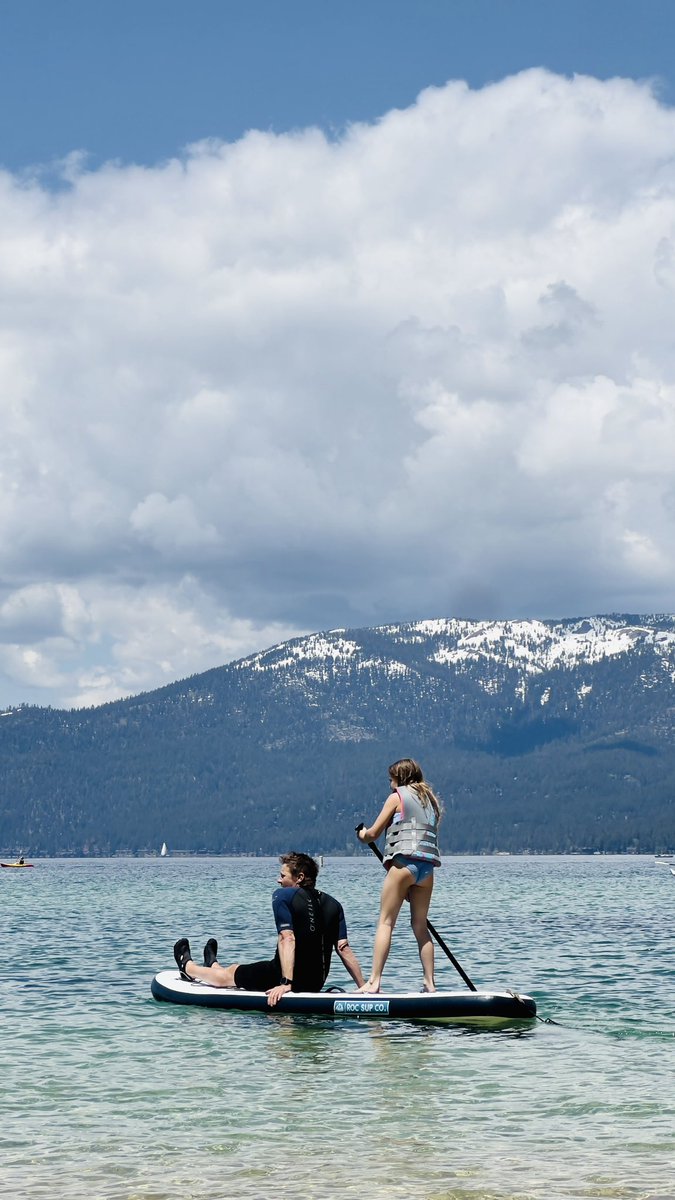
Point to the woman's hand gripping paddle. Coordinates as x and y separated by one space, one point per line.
446 949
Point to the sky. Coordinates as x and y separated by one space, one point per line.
327 315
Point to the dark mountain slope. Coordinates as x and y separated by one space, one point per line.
539 736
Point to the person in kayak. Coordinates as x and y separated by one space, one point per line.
410 816
310 925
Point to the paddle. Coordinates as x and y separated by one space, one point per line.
446 949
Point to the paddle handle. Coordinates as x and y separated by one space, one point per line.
434 933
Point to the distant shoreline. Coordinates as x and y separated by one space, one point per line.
206 854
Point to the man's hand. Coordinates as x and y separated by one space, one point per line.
274 994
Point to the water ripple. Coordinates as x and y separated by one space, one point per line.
111 1096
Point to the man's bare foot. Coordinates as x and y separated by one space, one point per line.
370 987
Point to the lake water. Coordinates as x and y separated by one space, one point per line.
107 1093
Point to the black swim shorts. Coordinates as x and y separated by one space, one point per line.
258 976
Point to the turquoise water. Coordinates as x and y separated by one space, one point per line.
106 1093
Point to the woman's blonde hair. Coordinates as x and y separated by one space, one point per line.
407 773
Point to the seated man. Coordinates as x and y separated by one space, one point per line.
310 924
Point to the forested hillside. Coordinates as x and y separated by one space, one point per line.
539 736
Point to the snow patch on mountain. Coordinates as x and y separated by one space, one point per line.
483 649
317 647
535 646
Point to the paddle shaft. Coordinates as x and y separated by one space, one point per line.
434 933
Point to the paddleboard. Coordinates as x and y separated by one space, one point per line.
481 1007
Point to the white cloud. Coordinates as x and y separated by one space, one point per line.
105 642
169 525
291 383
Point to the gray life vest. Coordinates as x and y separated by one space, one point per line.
414 831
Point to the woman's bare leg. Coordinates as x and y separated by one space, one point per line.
394 891
420 899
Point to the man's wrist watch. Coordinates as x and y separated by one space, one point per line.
285 980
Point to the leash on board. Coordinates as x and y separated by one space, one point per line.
544 1020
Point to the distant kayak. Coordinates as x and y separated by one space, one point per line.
483 1008
17 866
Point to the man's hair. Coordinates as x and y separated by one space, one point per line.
301 864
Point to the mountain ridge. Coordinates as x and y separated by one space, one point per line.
541 736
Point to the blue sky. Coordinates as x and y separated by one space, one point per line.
139 79
327 315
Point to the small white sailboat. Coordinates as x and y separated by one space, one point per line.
164 850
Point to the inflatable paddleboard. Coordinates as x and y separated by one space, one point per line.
484 1008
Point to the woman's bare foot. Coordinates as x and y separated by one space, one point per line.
429 987
370 987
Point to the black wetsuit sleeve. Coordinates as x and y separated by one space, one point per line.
282 901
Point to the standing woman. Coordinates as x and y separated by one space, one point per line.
410 815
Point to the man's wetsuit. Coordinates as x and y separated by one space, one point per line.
318 923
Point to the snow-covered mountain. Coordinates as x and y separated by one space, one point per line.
470 681
537 646
488 651
539 735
